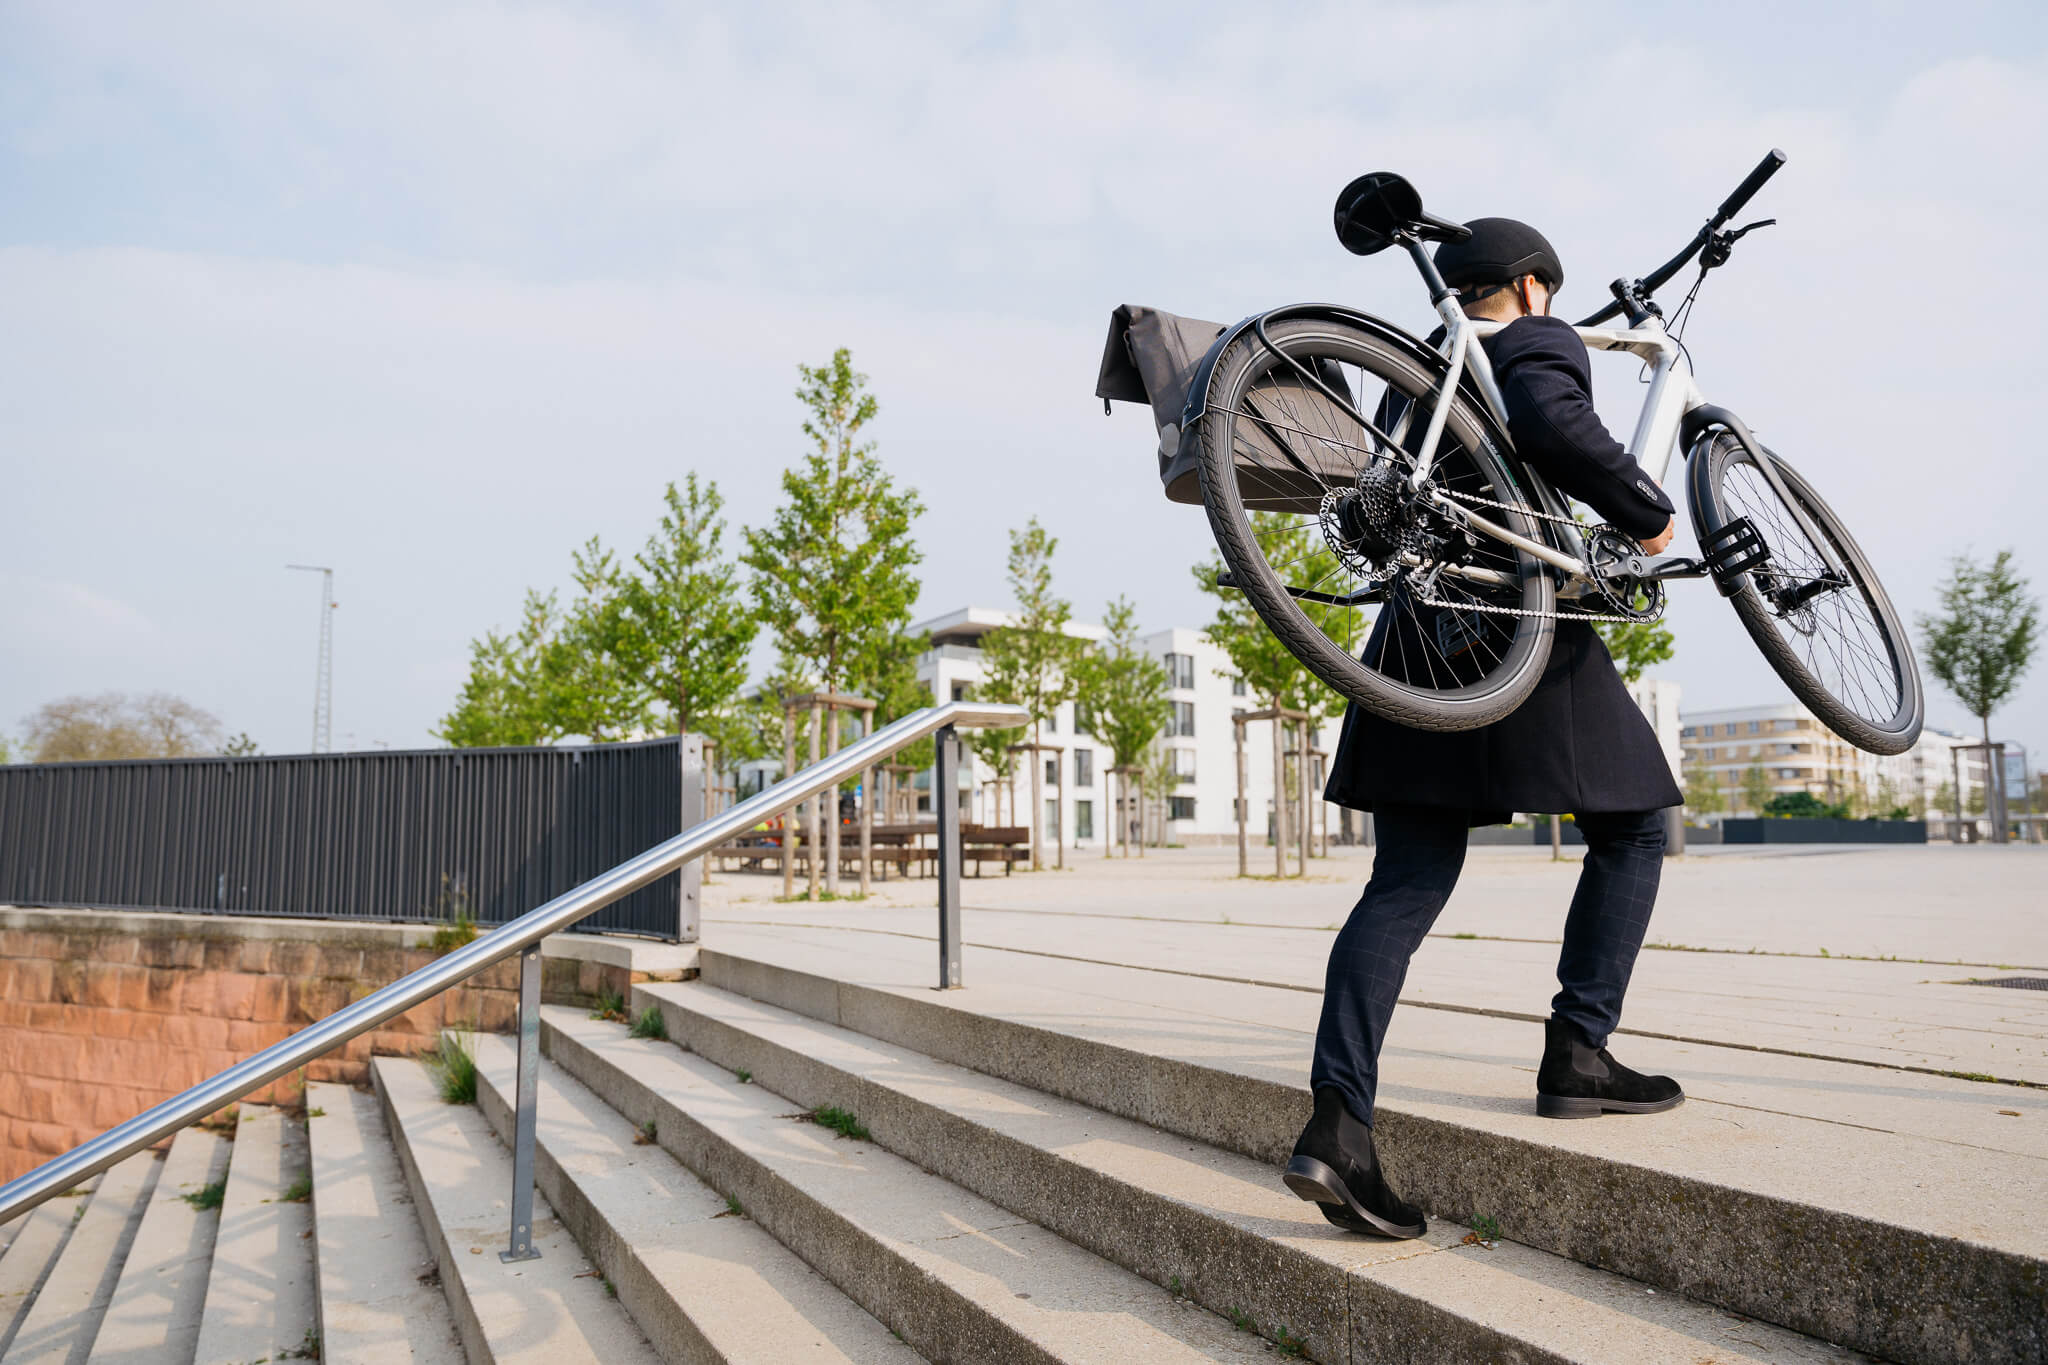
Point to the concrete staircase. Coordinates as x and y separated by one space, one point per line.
822 1161
208 1252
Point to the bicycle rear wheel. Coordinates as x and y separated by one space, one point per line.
1306 447
1835 640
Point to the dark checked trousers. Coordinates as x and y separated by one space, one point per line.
1420 853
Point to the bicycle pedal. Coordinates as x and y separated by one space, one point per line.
1731 551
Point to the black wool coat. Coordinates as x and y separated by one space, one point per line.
1578 743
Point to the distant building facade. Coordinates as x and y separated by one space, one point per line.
1799 754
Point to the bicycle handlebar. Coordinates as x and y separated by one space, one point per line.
1732 205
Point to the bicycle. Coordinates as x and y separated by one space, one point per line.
1367 500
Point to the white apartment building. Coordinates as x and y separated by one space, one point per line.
1799 754
1075 783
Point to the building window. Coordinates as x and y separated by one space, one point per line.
1052 721
1237 687
1052 771
1784 725
1180 670
1084 718
1084 767
1084 819
1183 726
1184 764
959 691
1755 727
1052 813
1180 807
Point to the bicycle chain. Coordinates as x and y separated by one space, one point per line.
1553 615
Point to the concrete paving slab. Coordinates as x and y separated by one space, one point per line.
154 1314
66 1313
1975 903
549 1311
1218 1223
959 1278
1884 1013
703 1283
1729 1200
259 1293
379 1296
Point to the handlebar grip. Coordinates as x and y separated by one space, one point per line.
1765 169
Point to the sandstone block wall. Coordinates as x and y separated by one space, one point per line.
105 1013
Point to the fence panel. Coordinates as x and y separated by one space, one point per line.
384 836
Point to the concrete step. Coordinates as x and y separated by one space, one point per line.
66 1314
33 1249
154 1315
703 1283
554 1310
379 1295
39 1238
1904 1245
1218 1224
958 1278
259 1292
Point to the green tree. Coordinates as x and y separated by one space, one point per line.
241 746
834 569
1983 639
1804 806
1034 663
1703 794
505 700
1124 690
6 750
1756 788
592 689
682 627
1269 668
1161 785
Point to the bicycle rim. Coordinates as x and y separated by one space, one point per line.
1444 638
1839 645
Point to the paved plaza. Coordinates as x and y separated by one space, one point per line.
1774 967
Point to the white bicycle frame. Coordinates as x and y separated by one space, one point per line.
1672 394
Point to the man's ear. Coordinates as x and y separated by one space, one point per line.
1535 295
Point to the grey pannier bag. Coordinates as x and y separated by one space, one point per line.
1298 445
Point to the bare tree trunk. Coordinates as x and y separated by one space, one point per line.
811 820
1243 848
1279 794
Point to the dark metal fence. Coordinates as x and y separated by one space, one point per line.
385 836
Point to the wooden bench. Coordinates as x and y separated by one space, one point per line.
1005 844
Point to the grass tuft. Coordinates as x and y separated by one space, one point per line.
645 1137
1242 1320
610 1005
742 1075
299 1191
839 1121
206 1196
1289 1344
651 1023
454 1069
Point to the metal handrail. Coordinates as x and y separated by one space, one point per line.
517 936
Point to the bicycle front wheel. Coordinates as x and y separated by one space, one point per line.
1307 447
1832 636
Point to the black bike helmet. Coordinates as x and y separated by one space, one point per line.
1499 251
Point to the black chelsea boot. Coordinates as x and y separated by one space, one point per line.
1580 1081
1335 1168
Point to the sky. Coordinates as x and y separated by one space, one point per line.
433 293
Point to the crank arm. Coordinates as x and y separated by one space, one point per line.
1664 566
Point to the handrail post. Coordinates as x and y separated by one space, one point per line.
946 806
521 1248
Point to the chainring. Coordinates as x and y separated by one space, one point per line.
1627 596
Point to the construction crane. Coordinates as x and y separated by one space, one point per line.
323 682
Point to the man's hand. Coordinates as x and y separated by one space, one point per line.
1656 545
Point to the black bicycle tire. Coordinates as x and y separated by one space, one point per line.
1350 679
1710 514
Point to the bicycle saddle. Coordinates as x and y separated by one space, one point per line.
1376 206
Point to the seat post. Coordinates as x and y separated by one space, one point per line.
1419 253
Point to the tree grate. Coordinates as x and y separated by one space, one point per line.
2018 983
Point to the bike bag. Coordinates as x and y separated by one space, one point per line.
1151 357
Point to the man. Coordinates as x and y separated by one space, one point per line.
1577 745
